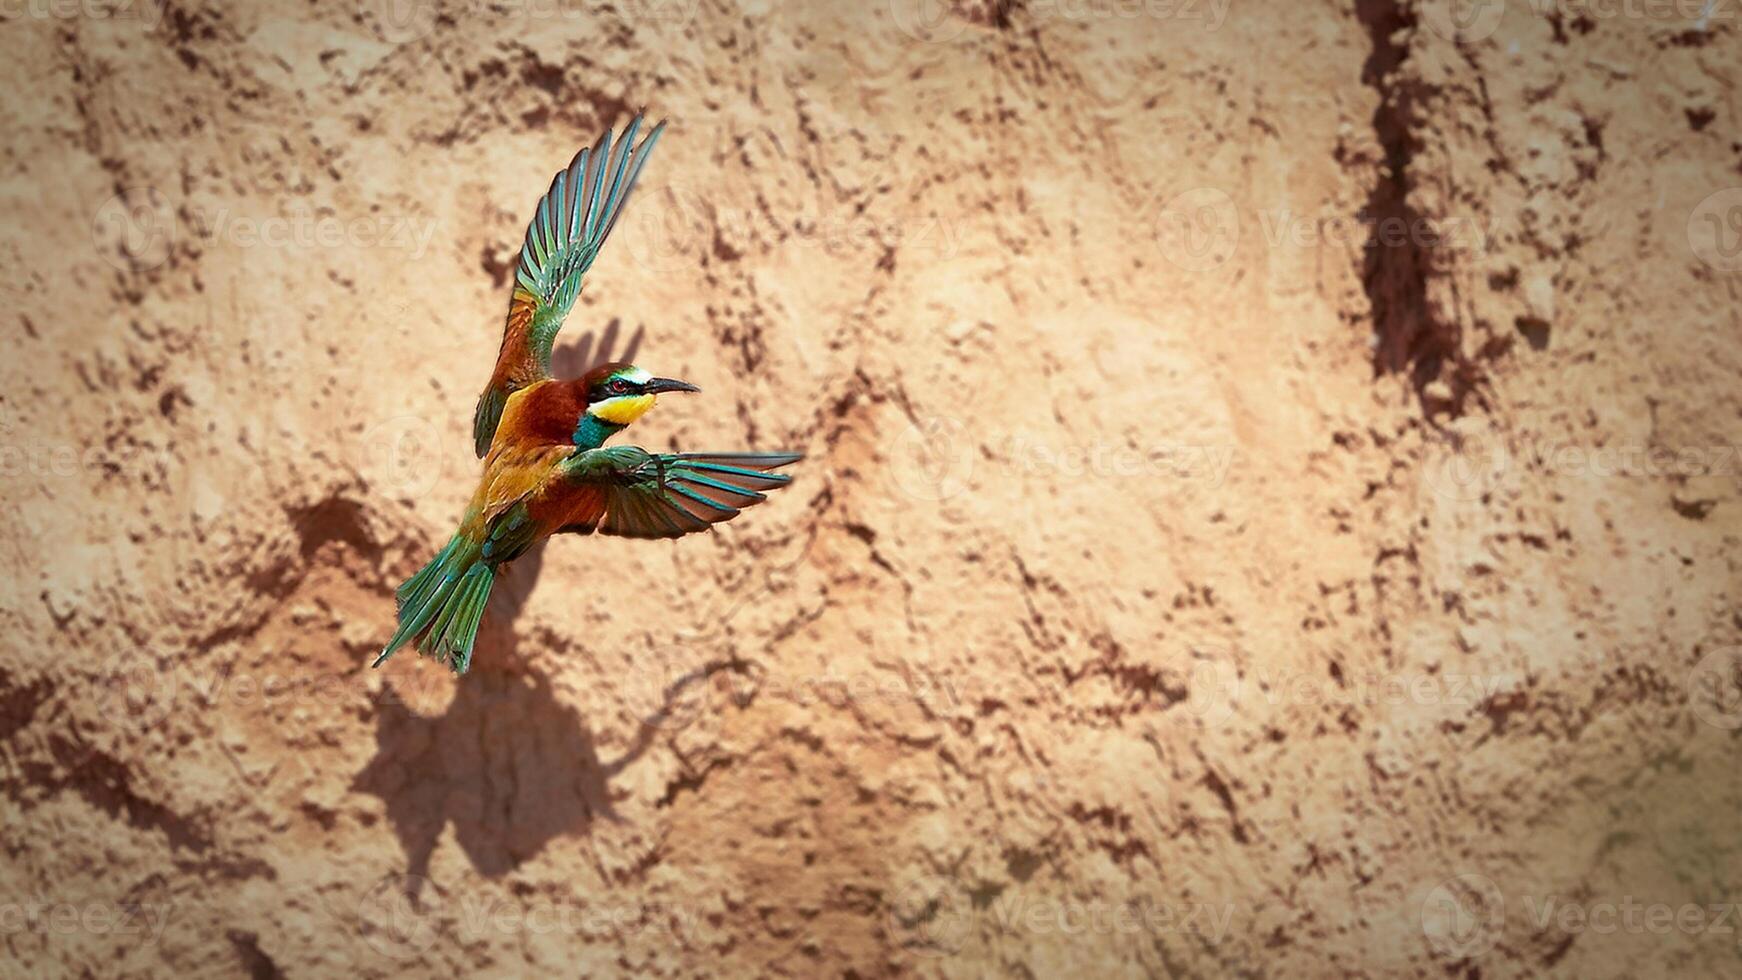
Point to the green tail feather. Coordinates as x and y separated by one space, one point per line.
442 605
418 585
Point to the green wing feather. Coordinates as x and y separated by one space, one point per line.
637 494
572 222
568 229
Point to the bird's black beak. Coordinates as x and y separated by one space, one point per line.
658 385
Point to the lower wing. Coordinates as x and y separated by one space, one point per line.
626 491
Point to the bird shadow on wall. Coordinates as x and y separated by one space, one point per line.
507 764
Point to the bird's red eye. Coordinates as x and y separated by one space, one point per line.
619 386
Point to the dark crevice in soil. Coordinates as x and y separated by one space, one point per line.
19 703
335 519
106 784
255 962
1410 340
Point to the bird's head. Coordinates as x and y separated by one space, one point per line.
617 394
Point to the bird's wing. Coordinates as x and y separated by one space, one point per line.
623 490
569 227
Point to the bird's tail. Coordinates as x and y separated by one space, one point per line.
441 606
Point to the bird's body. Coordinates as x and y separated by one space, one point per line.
546 467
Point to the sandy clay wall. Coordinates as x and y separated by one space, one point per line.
1271 505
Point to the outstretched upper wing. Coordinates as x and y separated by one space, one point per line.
628 491
571 224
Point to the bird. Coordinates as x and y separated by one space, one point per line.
547 469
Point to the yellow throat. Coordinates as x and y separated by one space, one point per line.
622 409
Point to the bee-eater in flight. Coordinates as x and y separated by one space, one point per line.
547 469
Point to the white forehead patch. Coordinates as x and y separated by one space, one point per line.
637 375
